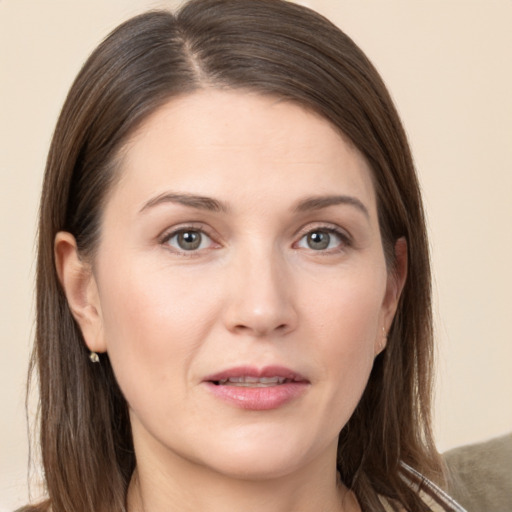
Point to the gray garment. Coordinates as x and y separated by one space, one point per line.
480 475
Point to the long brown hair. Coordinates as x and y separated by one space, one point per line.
271 47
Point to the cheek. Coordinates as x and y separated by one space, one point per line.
153 326
348 311
347 323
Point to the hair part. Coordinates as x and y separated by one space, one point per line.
270 47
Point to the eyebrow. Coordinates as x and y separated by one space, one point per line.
193 201
320 202
207 203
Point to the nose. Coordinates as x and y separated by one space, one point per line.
261 298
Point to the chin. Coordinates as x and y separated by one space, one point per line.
258 467
257 459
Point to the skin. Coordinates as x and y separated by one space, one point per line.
256 292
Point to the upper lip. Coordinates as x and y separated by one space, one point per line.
252 371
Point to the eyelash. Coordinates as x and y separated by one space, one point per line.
344 239
168 236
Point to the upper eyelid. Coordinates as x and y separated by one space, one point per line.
168 233
346 240
326 226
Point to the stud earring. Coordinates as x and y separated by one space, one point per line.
94 357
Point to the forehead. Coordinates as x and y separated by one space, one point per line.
221 143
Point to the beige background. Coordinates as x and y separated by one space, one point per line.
448 65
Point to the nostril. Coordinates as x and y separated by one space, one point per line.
254 316
261 330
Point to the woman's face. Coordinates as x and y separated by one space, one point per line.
240 286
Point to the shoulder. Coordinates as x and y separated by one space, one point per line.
431 494
481 474
482 457
434 498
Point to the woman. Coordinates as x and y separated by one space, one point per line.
233 291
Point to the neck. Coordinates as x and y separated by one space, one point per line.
153 489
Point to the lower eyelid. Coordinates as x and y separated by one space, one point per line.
169 235
344 239
205 239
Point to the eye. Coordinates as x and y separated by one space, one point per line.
322 240
187 240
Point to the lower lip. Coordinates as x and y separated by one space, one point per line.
258 398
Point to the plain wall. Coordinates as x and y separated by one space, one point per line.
448 66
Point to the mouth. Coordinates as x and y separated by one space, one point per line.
252 382
257 389
246 376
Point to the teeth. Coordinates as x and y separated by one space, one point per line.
252 381
274 380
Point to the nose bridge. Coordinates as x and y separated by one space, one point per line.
260 300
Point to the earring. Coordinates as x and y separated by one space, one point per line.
94 357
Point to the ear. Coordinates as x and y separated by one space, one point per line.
79 284
395 284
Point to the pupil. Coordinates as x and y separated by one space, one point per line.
318 240
189 240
